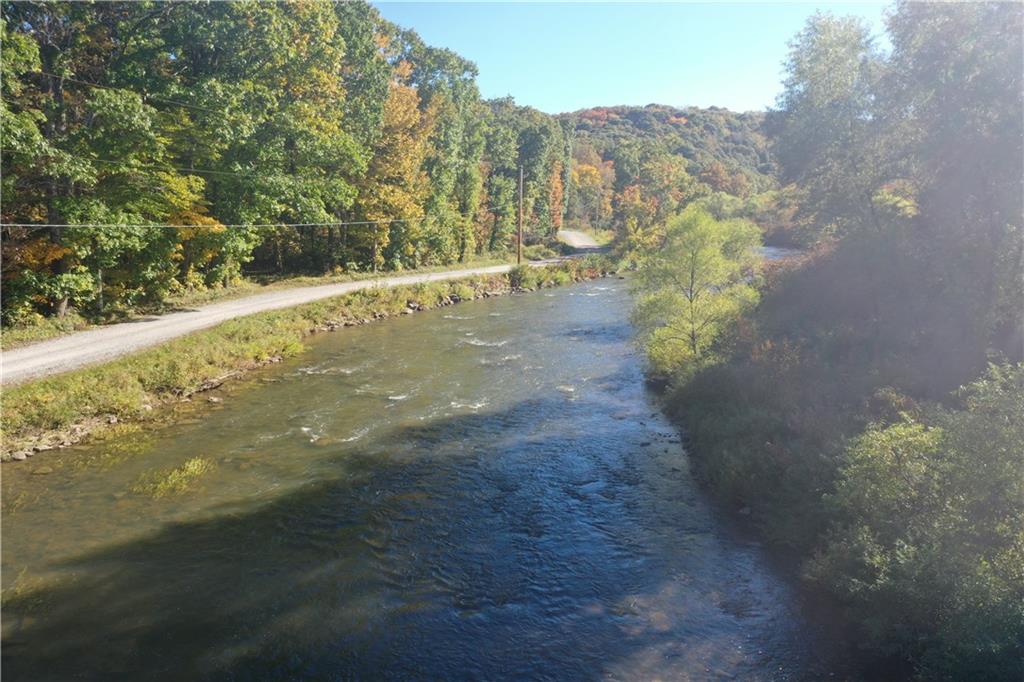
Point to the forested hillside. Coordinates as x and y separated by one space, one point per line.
726 150
866 407
183 142
633 166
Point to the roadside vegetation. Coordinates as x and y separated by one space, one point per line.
868 413
59 410
37 327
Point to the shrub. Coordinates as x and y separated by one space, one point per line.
539 252
928 547
523 277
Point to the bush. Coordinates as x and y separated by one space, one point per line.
928 547
522 277
539 252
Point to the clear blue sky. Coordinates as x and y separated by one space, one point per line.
567 56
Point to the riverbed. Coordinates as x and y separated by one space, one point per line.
479 492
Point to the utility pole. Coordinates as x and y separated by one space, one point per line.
519 251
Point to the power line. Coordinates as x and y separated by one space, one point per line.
140 94
196 170
158 167
386 221
236 225
171 101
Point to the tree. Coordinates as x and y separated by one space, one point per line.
831 415
955 96
556 195
591 193
693 287
396 186
824 125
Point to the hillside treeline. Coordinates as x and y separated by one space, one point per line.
635 166
184 141
868 412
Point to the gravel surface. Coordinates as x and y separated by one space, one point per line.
577 239
105 343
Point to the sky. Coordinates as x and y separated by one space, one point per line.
561 57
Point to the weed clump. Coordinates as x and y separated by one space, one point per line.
173 482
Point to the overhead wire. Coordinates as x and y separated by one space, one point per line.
349 223
235 225
144 95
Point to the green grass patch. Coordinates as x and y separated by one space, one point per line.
40 328
173 482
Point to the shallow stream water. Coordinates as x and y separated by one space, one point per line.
485 491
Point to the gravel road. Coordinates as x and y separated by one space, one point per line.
577 239
106 343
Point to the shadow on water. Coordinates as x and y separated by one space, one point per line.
607 334
477 550
494 497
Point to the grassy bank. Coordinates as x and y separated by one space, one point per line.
60 410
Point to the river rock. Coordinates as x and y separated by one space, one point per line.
43 470
19 456
214 399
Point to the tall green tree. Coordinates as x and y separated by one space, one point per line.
693 287
826 122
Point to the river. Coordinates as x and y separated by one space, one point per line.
479 492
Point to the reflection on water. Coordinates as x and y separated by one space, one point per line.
484 493
779 252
